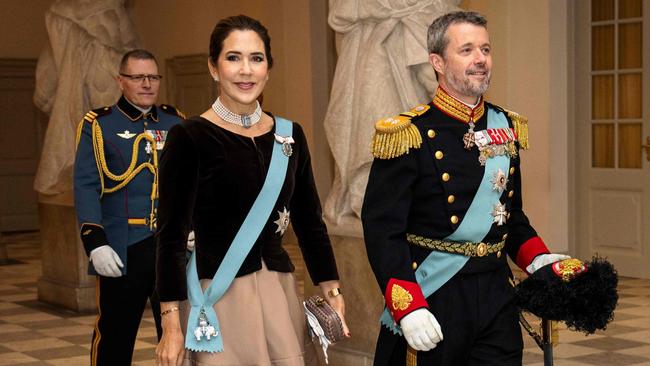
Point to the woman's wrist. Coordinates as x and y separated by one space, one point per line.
168 305
169 313
330 288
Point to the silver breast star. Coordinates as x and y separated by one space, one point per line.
282 221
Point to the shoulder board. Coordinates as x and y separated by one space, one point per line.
520 123
395 136
172 110
92 115
416 111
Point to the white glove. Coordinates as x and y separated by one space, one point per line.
544 259
106 262
190 241
421 330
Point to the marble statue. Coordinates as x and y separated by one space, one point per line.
382 70
75 73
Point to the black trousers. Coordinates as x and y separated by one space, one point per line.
479 322
121 302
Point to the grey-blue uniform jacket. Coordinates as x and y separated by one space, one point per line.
116 174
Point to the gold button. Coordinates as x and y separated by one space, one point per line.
415 265
105 108
445 177
431 134
511 193
512 170
439 154
504 237
508 216
499 254
451 198
454 219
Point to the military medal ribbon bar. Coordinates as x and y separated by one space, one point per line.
494 136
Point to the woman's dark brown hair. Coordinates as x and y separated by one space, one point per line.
238 22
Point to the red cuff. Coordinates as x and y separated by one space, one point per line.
529 250
403 297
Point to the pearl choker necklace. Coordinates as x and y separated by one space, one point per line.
244 120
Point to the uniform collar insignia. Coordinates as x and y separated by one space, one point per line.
133 113
457 109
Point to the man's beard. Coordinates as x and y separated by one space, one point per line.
466 87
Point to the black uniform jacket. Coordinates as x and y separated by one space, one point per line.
408 194
209 179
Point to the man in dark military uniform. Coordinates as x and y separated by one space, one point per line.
442 209
115 186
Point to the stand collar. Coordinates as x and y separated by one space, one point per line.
135 114
457 109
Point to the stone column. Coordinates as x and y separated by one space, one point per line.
64 281
363 303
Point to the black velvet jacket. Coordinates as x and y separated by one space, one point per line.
209 179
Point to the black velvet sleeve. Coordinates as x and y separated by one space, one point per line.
306 218
178 181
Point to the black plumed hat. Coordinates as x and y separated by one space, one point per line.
583 295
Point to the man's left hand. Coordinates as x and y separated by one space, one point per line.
544 259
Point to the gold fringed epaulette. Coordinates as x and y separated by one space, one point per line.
520 124
394 137
172 110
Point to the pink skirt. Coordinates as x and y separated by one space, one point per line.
262 323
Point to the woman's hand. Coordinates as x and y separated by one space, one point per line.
171 348
336 302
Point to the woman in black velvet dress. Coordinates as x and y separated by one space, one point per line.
211 171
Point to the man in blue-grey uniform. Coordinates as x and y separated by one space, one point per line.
115 186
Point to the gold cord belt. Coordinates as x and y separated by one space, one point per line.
466 248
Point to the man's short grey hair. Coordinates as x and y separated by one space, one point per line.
437 40
137 54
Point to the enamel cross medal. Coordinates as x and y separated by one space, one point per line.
204 329
468 137
499 213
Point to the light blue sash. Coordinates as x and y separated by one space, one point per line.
202 302
439 267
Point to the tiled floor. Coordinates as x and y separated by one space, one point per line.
32 333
